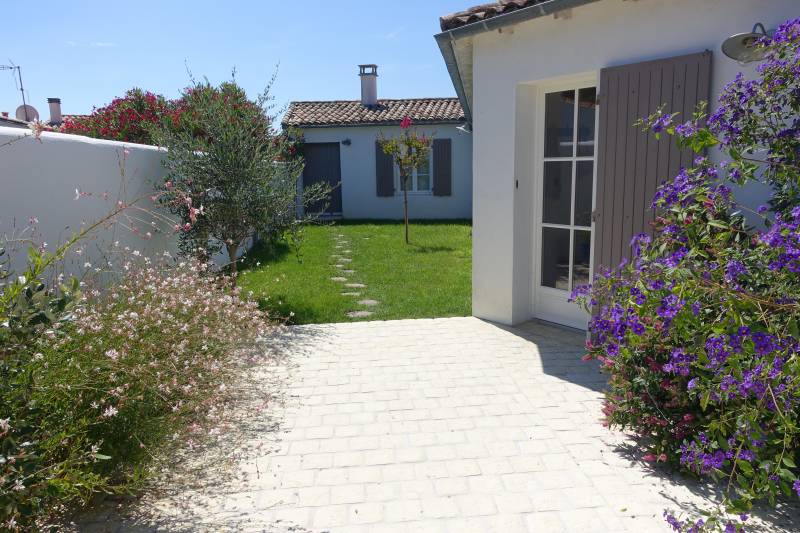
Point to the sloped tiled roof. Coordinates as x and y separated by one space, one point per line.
387 112
483 12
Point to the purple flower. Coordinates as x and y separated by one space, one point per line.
670 306
687 129
679 362
661 123
796 486
734 270
692 384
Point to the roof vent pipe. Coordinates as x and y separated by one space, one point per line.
55 110
369 84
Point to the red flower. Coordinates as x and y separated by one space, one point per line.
405 123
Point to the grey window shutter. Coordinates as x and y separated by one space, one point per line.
442 167
384 172
631 163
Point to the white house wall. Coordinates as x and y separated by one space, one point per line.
507 65
359 195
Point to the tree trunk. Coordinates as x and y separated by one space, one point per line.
232 249
405 211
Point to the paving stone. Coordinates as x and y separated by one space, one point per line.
339 278
358 314
350 293
368 303
435 425
355 285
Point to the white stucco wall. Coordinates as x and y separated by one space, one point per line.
359 197
38 179
505 67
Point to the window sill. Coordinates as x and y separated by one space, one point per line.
414 193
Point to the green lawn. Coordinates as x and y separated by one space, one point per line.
430 277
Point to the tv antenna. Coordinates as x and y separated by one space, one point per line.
12 66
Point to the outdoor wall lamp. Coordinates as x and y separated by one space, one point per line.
347 142
742 46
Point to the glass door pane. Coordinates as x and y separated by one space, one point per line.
555 258
584 181
567 188
587 104
557 192
559 116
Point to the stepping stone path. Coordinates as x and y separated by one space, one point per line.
341 247
359 314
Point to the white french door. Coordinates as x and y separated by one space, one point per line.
565 155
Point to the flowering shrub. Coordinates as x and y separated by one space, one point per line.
408 152
699 330
95 383
129 118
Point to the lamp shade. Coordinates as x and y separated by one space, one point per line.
743 46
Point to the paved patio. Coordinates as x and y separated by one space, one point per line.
446 425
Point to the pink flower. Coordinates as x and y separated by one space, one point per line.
650 458
405 123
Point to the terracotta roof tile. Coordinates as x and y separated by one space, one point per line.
387 112
483 12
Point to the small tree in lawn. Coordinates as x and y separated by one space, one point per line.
239 172
408 152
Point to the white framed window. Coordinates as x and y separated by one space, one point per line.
421 180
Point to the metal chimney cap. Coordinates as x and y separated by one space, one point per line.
54 100
369 69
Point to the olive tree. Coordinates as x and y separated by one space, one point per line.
232 174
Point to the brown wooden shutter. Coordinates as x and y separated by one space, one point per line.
630 163
442 167
384 172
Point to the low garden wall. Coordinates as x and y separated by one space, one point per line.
61 182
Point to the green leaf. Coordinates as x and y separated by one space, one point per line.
745 467
788 461
102 457
704 400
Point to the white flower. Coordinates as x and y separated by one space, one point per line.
112 353
110 411
87 265
4 424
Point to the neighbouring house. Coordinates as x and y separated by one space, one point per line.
341 148
55 116
551 90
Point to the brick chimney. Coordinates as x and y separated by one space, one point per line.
369 84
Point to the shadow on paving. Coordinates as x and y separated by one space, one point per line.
559 360
785 516
560 350
253 427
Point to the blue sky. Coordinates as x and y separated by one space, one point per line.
87 52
